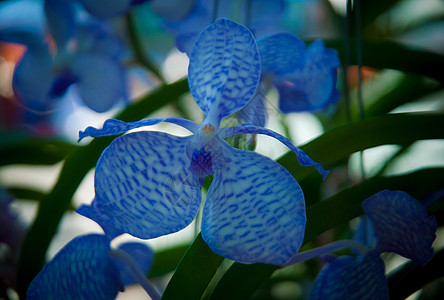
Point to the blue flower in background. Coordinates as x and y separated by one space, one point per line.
397 223
191 16
87 268
86 54
349 277
148 183
401 225
305 77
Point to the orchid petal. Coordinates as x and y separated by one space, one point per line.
303 158
401 225
81 270
140 253
254 210
352 278
281 53
33 79
143 185
107 9
101 81
312 87
224 68
113 126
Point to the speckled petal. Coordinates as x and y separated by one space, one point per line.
281 53
303 158
347 277
81 270
143 185
114 126
224 68
401 225
254 211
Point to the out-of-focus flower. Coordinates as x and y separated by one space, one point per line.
87 268
147 183
401 225
86 54
394 222
305 77
260 16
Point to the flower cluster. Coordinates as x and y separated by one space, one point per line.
393 222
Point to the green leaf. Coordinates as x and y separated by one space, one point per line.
77 164
194 273
390 55
409 277
241 280
30 150
166 260
335 146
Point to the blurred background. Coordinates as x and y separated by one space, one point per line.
401 46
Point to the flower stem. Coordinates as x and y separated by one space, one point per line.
137 273
326 249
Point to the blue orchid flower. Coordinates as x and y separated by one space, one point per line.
87 55
401 225
87 268
148 183
305 77
394 222
349 277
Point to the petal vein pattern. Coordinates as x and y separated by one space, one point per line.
224 68
254 211
143 185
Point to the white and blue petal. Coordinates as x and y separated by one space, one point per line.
254 211
224 69
81 270
401 225
114 126
143 185
281 53
303 158
354 278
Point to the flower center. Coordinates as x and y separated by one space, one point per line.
201 164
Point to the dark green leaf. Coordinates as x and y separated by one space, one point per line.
391 55
195 271
335 146
166 261
409 277
23 149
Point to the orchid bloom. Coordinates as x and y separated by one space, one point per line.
148 183
394 222
87 268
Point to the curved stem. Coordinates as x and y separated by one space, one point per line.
326 249
138 274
